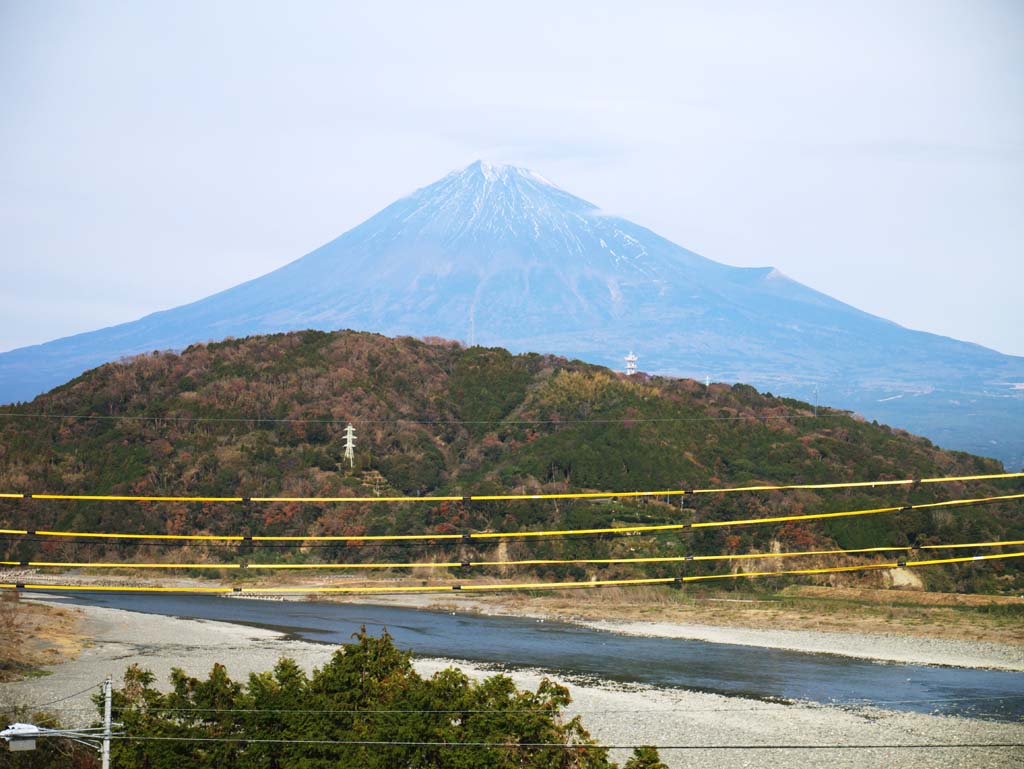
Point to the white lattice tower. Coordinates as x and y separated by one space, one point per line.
631 360
350 445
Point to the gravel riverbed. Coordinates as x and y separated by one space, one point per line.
615 714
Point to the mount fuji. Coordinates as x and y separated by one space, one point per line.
501 256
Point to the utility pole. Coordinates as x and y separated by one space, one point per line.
23 736
108 688
815 401
350 445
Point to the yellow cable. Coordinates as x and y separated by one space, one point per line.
424 565
512 586
848 513
971 544
831 570
812 516
119 589
434 588
527 562
964 559
334 500
576 532
861 567
123 565
558 585
101 535
361 538
349 538
132 498
514 497
94 565
505 535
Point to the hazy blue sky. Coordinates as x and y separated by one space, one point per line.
151 154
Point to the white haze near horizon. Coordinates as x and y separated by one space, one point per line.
153 154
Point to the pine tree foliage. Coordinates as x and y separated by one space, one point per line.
368 692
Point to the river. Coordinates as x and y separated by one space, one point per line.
579 651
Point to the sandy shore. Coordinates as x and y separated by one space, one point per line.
614 713
917 648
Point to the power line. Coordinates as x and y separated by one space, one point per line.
525 562
852 513
399 421
860 567
357 546
499 587
352 589
468 537
567 746
507 497
70 696
428 542
453 711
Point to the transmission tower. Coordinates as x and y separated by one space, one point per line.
350 445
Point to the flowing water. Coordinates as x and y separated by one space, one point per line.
574 650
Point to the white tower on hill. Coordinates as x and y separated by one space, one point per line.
631 360
350 445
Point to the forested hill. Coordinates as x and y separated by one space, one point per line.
265 416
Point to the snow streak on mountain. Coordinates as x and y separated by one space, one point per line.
502 253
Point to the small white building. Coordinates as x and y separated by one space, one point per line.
631 360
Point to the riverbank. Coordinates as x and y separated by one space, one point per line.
902 626
614 713
33 635
745 623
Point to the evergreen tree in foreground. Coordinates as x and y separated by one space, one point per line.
367 693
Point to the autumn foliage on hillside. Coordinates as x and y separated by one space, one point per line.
265 416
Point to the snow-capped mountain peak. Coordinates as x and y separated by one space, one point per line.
488 208
501 172
501 253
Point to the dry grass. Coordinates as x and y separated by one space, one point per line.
35 634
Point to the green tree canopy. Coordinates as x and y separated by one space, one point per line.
366 708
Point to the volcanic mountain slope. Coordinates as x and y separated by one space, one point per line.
265 416
501 254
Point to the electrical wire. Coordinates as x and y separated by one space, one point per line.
508 497
501 587
70 696
359 546
471 536
774 706
567 746
526 562
859 567
340 422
